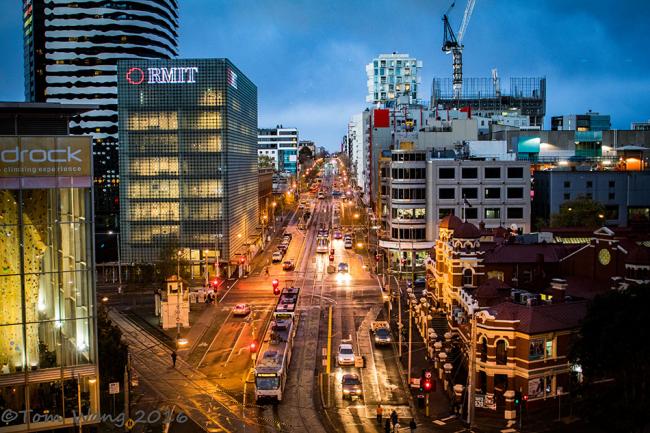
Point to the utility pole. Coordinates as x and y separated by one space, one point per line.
399 318
410 342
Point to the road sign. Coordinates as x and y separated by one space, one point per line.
114 388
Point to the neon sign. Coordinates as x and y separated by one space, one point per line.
174 75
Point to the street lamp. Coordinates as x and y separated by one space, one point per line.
119 259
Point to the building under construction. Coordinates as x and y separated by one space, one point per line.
485 97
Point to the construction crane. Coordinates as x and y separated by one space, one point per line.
454 44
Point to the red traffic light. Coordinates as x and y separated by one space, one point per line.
242 259
276 286
525 397
253 346
427 385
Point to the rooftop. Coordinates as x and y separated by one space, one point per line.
541 318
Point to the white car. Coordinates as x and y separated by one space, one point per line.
345 354
277 256
241 310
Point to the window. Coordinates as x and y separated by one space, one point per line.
492 193
492 213
515 193
567 196
468 277
471 213
590 184
536 349
443 212
567 184
492 172
470 173
612 184
515 213
549 348
408 193
446 173
484 349
611 212
446 193
470 192
612 195
589 195
502 352
515 172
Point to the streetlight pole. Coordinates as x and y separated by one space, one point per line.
178 297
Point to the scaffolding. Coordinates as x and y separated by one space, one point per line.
485 95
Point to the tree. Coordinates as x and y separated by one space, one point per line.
305 154
581 212
112 351
612 350
265 161
168 261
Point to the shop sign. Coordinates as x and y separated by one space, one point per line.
45 156
174 75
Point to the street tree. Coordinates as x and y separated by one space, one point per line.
169 261
305 154
581 212
112 351
612 352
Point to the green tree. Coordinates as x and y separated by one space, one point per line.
581 212
612 350
265 161
305 154
168 261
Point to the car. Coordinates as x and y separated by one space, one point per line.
287 236
289 265
345 354
338 234
301 206
277 256
347 243
351 385
241 310
385 293
420 282
382 337
343 268
321 195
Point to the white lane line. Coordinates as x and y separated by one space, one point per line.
228 291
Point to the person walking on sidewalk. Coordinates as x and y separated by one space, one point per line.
173 358
380 413
387 426
412 425
393 417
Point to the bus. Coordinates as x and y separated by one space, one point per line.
322 244
271 367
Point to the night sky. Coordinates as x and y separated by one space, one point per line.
308 57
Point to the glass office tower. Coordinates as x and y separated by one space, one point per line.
48 356
188 158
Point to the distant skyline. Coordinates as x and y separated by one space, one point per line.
308 58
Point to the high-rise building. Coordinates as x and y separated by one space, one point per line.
391 76
188 141
281 145
48 346
71 50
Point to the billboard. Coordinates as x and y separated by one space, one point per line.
45 161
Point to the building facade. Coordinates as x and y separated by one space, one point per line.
48 346
391 76
624 194
188 156
281 145
419 190
590 121
71 51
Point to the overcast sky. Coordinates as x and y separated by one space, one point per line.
308 57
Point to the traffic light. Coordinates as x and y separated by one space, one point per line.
517 398
253 346
216 283
427 385
242 259
276 286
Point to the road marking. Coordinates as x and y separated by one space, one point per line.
439 422
228 291
508 430
449 418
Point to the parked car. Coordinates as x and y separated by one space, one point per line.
289 265
277 256
241 310
351 385
345 354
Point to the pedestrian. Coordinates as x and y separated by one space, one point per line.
412 426
174 358
396 428
393 417
380 413
387 426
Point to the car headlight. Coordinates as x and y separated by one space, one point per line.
346 391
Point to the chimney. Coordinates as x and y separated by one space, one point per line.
558 290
